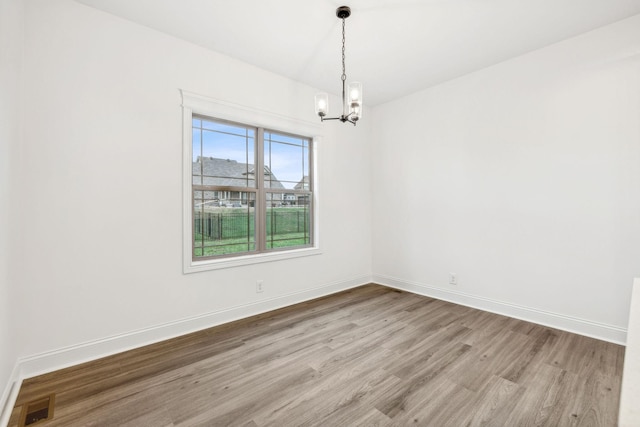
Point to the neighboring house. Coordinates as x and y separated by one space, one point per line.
289 198
210 171
295 199
303 185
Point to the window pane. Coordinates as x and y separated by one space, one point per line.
288 221
222 228
223 155
286 160
224 127
196 139
228 147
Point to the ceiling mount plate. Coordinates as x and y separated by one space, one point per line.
343 12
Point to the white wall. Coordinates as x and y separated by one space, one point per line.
522 178
11 30
101 244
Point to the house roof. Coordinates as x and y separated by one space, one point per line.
231 173
303 184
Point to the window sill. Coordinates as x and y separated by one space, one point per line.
217 264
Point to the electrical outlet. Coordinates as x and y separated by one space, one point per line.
259 287
453 279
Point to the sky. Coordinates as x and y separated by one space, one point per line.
286 156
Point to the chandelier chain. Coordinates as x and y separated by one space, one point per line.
344 73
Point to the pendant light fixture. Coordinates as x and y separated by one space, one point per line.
351 96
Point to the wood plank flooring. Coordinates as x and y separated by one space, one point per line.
370 356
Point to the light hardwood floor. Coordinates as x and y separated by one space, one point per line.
365 357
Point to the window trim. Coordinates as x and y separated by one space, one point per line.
200 105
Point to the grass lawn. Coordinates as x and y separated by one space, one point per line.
230 231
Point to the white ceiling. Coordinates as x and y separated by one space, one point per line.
393 47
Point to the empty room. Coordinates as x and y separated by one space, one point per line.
296 213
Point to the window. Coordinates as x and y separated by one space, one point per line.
251 193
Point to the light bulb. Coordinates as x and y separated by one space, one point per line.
322 104
355 100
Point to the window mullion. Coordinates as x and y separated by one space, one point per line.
261 198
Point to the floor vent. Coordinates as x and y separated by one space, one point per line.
38 410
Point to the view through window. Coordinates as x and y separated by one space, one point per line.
252 189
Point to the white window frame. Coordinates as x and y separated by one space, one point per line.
197 104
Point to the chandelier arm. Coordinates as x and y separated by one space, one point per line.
342 118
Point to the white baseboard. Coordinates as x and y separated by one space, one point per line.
9 396
39 364
584 327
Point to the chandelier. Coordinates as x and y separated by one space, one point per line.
351 96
